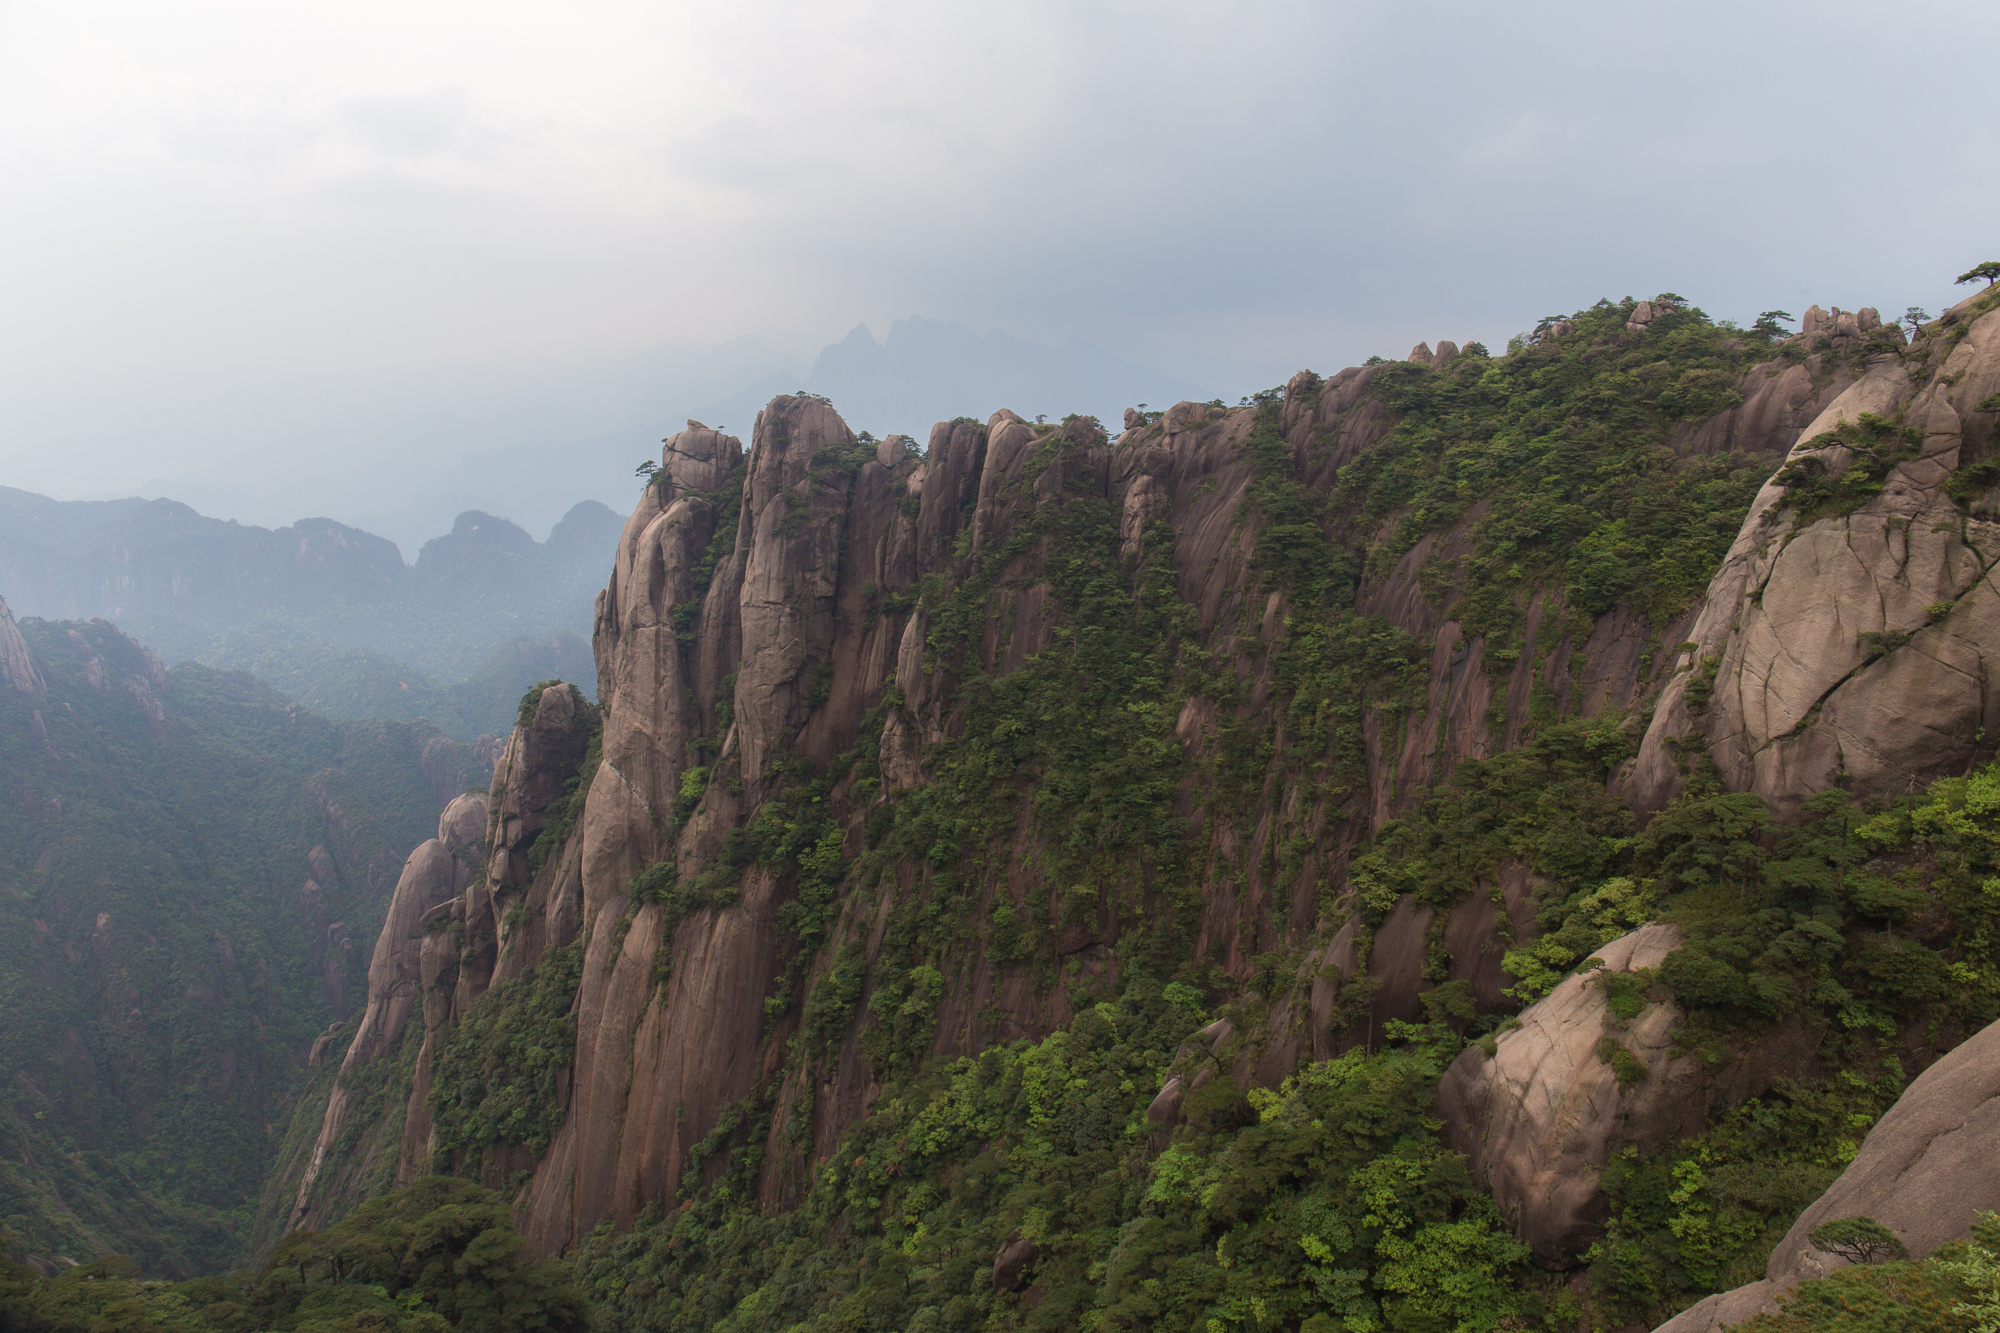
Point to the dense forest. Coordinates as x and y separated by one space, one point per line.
192 873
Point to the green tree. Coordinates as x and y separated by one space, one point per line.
1859 1240
442 1253
1988 270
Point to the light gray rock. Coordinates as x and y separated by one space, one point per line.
1539 1118
432 877
1726 1308
1800 699
1925 1171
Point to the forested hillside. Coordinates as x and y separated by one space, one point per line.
192 874
1473 842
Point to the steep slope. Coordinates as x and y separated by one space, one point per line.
1926 1171
1303 725
1861 582
190 870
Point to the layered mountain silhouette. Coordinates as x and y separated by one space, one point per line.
321 610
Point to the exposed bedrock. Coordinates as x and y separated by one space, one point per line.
17 668
1540 1116
1925 1171
774 607
1857 648
433 877
723 654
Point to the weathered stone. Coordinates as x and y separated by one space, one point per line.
1012 1261
1540 1117
1814 638
778 649
1925 1171
433 877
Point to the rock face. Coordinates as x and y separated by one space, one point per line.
16 667
1924 1171
433 877
727 655
771 609
1539 1118
1816 635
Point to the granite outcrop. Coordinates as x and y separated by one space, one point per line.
1925 1171
774 607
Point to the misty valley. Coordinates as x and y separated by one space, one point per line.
1486 840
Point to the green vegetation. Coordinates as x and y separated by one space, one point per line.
1956 1290
1327 1204
1330 1197
1027 1186
1874 447
1326 1200
163 969
498 1073
1859 1240
1566 446
442 1254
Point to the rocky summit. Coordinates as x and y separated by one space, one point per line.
1470 842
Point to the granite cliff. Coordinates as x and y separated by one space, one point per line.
904 755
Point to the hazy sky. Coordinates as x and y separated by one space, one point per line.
234 218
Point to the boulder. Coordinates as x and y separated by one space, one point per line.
1925 1171
1421 354
1538 1119
1012 1261
462 826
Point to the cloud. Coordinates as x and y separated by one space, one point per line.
235 217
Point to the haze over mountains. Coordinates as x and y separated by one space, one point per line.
327 613
530 445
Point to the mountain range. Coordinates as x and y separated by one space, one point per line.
1469 842
325 612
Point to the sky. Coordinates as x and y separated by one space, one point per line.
244 235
